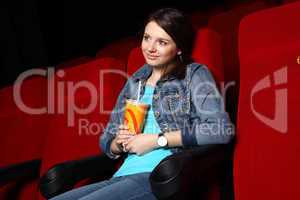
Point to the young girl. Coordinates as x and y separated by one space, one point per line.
186 110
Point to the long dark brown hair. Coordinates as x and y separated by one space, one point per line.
179 27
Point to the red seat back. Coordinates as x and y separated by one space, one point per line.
81 113
135 60
119 49
226 24
207 50
266 164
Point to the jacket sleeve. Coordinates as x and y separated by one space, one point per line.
208 123
116 118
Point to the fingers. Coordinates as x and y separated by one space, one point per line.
123 127
124 130
121 141
124 147
124 136
129 144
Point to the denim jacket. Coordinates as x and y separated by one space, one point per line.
192 105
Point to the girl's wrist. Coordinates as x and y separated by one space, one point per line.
154 141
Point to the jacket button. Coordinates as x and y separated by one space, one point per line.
155 96
165 127
157 114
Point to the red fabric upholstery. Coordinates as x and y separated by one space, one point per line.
67 140
135 60
266 164
119 49
226 24
207 50
22 134
20 191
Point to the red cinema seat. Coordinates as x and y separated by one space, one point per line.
73 144
82 107
23 132
226 24
207 50
135 60
266 164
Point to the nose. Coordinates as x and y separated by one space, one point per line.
151 47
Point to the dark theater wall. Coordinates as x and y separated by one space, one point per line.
41 33
22 44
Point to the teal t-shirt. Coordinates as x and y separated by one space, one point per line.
147 162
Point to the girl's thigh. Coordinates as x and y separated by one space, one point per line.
85 190
132 187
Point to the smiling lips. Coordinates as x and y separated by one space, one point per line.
151 57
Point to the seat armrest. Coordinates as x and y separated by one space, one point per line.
21 171
63 176
167 178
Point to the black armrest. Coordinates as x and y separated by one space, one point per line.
21 171
167 178
62 177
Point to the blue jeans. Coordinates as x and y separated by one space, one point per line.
130 187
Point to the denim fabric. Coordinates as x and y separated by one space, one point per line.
131 187
192 105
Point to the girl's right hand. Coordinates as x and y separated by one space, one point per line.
123 135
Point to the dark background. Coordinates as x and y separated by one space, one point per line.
42 33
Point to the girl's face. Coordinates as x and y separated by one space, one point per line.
157 46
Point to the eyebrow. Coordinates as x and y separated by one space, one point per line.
158 38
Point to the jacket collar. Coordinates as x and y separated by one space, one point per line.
145 72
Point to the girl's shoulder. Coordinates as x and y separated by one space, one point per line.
198 70
142 72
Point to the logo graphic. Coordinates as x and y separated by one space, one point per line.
130 117
279 123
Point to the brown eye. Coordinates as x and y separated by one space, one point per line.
162 43
146 37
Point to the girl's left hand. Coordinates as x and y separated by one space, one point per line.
141 143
